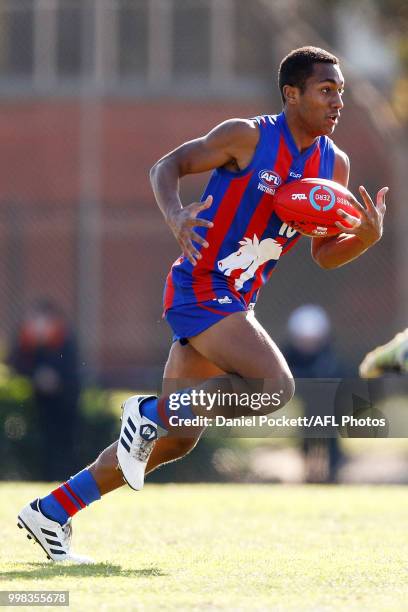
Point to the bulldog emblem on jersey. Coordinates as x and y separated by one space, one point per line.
251 254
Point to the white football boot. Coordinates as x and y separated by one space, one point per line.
137 438
54 539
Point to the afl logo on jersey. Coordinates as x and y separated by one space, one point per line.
269 181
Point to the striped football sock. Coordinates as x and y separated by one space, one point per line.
160 410
74 495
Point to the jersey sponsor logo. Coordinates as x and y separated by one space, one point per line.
269 181
322 198
299 196
224 300
251 254
295 175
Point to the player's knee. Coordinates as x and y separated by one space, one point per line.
267 394
279 390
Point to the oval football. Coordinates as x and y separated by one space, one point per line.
310 206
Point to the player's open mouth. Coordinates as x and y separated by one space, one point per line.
333 119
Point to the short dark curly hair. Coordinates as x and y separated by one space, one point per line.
297 66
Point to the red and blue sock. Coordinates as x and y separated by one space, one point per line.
74 495
160 410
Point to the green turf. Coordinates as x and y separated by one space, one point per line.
223 547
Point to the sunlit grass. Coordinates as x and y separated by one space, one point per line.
230 547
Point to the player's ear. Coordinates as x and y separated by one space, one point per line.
291 94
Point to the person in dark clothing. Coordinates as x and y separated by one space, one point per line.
310 354
45 351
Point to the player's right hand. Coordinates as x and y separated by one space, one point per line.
182 223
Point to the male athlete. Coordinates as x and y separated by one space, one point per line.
210 294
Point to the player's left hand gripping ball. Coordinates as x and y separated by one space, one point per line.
369 227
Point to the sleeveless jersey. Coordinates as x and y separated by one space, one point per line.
247 238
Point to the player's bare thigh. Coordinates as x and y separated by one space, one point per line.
238 344
186 367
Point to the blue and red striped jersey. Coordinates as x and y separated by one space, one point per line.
247 238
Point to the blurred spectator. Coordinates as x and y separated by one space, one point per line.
45 351
310 354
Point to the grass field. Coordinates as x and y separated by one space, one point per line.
223 547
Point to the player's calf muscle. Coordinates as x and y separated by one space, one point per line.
170 449
105 471
105 468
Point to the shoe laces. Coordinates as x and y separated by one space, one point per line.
142 450
67 533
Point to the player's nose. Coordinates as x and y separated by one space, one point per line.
338 101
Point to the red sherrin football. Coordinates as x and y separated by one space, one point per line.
310 206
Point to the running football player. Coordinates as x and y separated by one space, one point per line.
231 242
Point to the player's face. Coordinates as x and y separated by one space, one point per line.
320 104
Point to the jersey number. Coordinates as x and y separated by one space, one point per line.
286 230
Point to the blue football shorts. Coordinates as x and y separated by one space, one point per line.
191 319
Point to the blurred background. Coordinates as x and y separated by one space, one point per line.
92 93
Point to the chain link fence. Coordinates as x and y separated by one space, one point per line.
92 93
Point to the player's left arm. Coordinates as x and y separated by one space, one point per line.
335 251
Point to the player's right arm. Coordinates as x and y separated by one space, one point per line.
230 144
